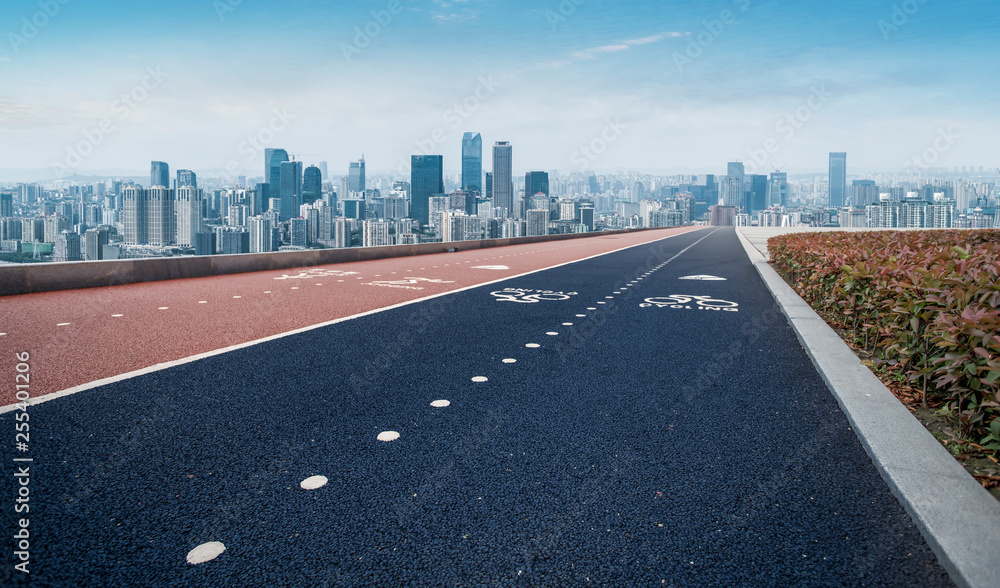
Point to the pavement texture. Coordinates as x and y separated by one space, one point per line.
620 421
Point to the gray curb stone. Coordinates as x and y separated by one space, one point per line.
957 517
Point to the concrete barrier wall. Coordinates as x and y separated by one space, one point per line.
46 277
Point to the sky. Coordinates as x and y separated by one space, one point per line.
573 85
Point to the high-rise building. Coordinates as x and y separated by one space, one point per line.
298 232
472 162
187 208
777 189
159 174
186 178
261 235
838 179
426 180
733 191
536 182
356 176
94 242
757 194
312 185
503 179
863 193
273 158
161 225
291 189
67 247
375 233
135 216
488 187
324 171
537 222
6 205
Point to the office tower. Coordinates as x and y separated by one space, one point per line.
503 179
94 242
235 242
291 189
838 179
863 193
312 185
587 217
356 176
324 171
355 208
341 232
67 247
261 240
535 182
298 232
375 233
161 224
6 205
733 192
777 189
273 158
53 225
488 187
186 178
472 162
426 180
537 222
757 194
187 208
159 174
135 216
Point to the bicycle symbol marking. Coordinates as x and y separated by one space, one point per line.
530 296
685 302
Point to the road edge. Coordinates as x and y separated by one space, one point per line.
958 518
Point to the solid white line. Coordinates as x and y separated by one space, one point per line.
169 364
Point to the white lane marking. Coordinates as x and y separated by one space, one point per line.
237 297
491 267
164 307
313 482
205 552
703 277
602 302
581 316
192 358
510 360
567 324
480 379
203 302
3 334
268 291
388 436
609 297
440 403
63 324
112 316
295 287
319 284
591 308
552 333
532 345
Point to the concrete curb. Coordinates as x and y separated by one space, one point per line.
957 517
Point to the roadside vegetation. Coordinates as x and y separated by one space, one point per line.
922 310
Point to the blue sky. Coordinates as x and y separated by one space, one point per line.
572 84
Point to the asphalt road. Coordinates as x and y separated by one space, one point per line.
651 430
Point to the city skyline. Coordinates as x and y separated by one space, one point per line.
574 85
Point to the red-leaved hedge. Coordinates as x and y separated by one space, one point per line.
926 302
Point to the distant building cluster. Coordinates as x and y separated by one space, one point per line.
292 206
902 201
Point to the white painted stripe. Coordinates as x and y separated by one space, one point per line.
185 360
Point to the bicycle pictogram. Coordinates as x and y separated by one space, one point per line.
530 296
685 302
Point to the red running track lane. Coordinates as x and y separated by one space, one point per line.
76 337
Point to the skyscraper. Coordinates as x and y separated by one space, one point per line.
488 187
187 209
503 179
291 189
757 194
777 189
273 158
733 192
135 202
312 185
161 224
159 174
838 179
356 177
535 182
472 162
426 180
186 178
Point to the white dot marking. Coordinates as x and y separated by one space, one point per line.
552 333
510 360
440 403
205 552
480 379
532 345
313 482
388 436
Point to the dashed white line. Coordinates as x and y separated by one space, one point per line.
440 403
532 345
567 324
203 302
388 436
480 379
164 307
510 360
112 316
237 297
63 325
552 333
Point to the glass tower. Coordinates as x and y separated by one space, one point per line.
838 179
472 162
426 180
159 174
273 158
503 179
291 189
